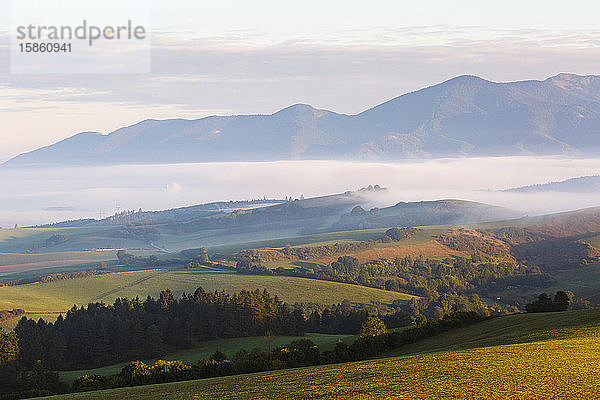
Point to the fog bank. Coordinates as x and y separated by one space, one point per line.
31 196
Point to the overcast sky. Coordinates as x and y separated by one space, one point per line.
234 57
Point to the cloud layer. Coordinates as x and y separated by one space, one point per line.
55 194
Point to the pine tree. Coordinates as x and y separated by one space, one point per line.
154 343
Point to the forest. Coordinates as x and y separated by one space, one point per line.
21 376
104 334
444 286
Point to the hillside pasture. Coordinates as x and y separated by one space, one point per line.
430 249
422 243
555 363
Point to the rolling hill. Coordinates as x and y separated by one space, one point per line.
552 355
582 184
218 224
465 116
424 213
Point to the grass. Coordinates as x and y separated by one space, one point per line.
22 233
93 255
90 237
21 239
420 243
511 329
96 236
559 362
227 346
61 295
583 281
307 240
425 234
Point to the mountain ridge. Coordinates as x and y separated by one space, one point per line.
463 116
580 184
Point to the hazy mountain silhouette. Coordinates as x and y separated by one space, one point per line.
582 184
465 116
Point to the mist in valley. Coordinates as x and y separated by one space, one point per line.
31 196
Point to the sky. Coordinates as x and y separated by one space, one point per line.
239 57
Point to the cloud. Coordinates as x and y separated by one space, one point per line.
224 76
173 188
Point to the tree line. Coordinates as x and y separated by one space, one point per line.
373 339
104 334
101 334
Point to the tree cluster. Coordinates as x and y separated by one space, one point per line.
144 232
445 285
397 234
56 239
101 334
544 303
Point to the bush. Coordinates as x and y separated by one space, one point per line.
372 327
169 371
398 234
135 373
298 353
87 382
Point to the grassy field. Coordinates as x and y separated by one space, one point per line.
7 235
93 255
227 346
511 329
15 266
583 281
307 240
21 239
61 295
90 237
558 362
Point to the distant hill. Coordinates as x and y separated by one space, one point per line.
343 211
464 116
555 241
439 212
582 184
226 223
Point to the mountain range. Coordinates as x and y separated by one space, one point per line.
464 116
